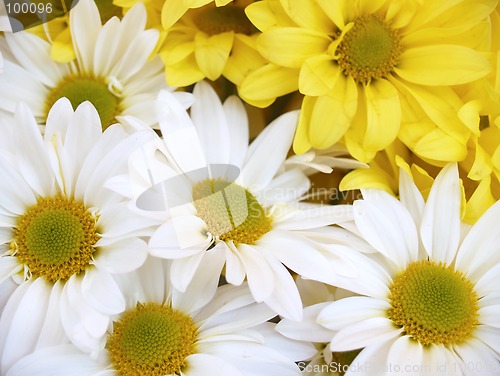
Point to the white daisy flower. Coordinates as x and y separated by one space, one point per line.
164 332
430 303
227 200
63 234
112 68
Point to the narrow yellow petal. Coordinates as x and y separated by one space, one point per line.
211 53
184 73
270 81
482 165
479 202
62 48
367 178
301 142
318 75
439 146
265 14
291 46
171 12
383 114
332 114
308 14
440 65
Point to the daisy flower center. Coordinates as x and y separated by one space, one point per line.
369 50
79 89
55 238
216 20
230 211
151 340
433 303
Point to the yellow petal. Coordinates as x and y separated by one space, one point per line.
291 46
308 14
318 75
171 12
184 73
301 142
270 81
440 65
211 53
62 48
440 146
367 178
469 114
243 60
332 114
482 166
479 202
265 14
383 114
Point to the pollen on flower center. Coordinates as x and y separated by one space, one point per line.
55 238
369 50
433 303
79 89
230 211
216 20
151 340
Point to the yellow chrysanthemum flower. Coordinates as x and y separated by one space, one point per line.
210 42
58 33
479 172
363 64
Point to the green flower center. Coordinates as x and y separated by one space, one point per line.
80 89
216 20
433 304
151 340
55 238
369 50
230 211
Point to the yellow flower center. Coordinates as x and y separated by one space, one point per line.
433 304
230 211
79 89
55 238
216 20
369 50
151 340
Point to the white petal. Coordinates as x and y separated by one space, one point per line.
481 247
8 267
204 284
410 196
298 254
32 154
52 332
180 234
313 216
307 329
101 292
85 24
235 270
183 270
371 361
440 229
210 122
490 315
22 320
352 310
476 359
259 275
123 256
237 128
268 152
489 336
489 282
363 334
406 354
83 324
57 361
202 364
34 54
285 299
390 231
